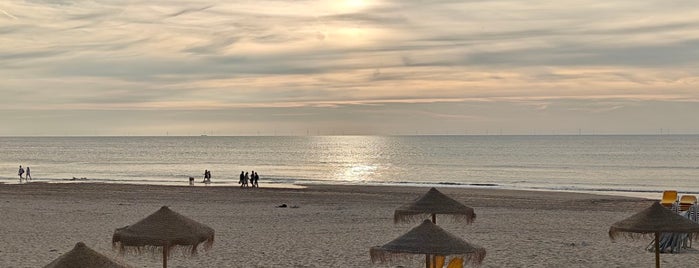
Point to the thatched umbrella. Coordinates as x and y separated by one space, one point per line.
653 220
81 256
163 230
432 203
431 240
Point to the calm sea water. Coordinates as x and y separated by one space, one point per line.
578 163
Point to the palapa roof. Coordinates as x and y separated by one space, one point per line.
433 202
655 218
428 238
163 228
81 256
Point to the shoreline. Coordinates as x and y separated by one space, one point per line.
302 184
470 196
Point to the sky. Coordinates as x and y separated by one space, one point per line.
348 67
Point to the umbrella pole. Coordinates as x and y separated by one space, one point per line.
657 249
165 256
427 261
434 218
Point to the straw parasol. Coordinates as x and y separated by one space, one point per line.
431 240
163 230
432 203
82 256
651 221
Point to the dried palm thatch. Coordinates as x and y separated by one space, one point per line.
164 231
427 239
430 204
652 221
81 256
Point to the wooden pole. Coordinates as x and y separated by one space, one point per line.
427 261
657 249
165 256
434 220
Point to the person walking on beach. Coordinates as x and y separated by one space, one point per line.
207 176
256 177
252 179
242 179
29 175
21 173
245 179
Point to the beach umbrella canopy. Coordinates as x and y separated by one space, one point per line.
163 230
81 256
432 203
430 240
652 221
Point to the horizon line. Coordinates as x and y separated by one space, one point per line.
352 135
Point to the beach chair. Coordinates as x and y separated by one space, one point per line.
456 263
669 198
693 213
687 201
438 261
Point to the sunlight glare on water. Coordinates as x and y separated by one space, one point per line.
571 163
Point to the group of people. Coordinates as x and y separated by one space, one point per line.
246 179
249 179
207 176
21 173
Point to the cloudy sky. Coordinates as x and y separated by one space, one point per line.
297 67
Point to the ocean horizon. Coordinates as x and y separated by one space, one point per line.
623 164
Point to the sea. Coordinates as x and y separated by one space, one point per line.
633 165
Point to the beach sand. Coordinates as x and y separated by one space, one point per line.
333 226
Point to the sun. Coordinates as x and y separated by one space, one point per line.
349 6
355 3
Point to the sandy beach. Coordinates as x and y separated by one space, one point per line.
333 226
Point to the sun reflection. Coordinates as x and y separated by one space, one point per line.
353 158
357 173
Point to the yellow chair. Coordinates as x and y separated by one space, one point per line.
456 263
686 201
669 198
438 261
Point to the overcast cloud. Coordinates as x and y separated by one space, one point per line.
118 67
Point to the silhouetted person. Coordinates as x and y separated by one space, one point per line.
29 174
20 173
256 177
242 179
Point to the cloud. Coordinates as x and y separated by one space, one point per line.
185 55
189 10
8 14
